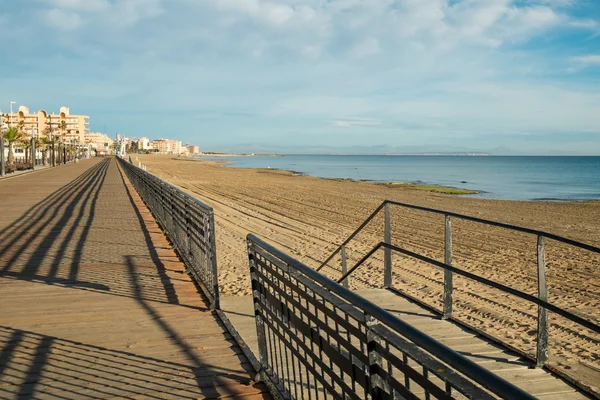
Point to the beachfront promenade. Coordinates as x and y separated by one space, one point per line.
94 303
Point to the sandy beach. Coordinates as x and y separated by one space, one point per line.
310 217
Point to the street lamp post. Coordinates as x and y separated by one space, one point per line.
11 113
33 155
2 161
53 154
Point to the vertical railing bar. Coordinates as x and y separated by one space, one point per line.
387 262
542 328
213 260
448 286
344 267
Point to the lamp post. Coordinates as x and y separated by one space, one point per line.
33 155
11 113
2 161
52 154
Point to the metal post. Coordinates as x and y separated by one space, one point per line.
33 155
213 259
447 274
344 267
260 326
2 160
542 329
387 260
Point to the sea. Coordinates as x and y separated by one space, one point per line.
534 178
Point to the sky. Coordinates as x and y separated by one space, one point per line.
499 76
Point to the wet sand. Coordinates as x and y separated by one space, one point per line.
310 217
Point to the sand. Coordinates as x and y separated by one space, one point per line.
310 217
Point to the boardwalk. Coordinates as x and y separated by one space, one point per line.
95 304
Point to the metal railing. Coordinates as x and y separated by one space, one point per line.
542 292
188 223
318 339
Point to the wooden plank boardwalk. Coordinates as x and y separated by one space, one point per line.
504 363
94 302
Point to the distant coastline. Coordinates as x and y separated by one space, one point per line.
534 178
210 154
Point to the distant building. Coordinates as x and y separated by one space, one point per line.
167 146
144 144
193 149
101 142
75 126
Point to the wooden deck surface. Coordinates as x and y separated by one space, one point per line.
504 363
94 302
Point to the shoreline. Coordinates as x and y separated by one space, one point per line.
453 191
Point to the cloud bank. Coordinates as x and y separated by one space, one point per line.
482 74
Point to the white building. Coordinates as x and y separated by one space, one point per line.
144 144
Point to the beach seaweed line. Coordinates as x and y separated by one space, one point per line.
410 185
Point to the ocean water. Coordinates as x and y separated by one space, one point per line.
496 177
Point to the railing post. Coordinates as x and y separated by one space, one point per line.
542 329
387 261
2 161
260 325
448 289
344 267
213 261
377 386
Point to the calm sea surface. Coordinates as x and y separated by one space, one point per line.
514 178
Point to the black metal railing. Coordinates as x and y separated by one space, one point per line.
318 339
188 223
541 299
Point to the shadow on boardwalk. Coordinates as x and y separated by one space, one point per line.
91 236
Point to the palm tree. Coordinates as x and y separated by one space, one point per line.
12 135
46 145
39 145
25 142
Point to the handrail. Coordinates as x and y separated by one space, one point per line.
543 331
188 223
461 216
356 232
500 225
467 367
549 306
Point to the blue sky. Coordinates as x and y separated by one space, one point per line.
504 76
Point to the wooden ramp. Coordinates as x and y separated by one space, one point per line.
94 302
504 363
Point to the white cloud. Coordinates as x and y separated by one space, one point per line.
81 5
592 59
72 14
354 122
64 20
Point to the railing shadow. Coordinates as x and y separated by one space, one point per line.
33 364
50 244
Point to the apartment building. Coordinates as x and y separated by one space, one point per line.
144 144
167 146
193 149
75 126
99 141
